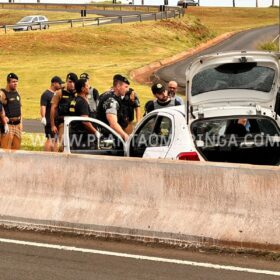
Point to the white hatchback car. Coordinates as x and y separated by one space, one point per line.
32 23
229 117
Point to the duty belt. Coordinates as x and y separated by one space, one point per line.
14 121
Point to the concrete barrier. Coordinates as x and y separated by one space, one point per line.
193 203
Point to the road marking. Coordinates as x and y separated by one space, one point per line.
139 257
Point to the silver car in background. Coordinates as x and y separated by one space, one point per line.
32 23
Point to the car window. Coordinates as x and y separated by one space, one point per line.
156 131
26 19
41 18
240 127
35 19
162 133
83 142
234 76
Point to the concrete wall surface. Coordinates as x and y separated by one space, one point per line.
199 202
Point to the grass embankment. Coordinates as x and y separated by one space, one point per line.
37 56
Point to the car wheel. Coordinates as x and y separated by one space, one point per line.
29 28
46 26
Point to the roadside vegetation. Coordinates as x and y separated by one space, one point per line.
103 51
269 46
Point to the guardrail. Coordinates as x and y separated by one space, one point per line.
43 6
98 20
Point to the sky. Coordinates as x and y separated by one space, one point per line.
222 3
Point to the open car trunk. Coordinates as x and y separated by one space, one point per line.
253 140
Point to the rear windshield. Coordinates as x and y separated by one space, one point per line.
240 127
233 76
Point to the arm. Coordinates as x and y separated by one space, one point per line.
4 119
89 126
138 114
43 111
113 121
52 117
54 105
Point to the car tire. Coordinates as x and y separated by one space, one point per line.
29 28
46 26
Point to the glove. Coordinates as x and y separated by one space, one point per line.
6 128
97 134
44 121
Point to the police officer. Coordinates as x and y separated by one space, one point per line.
60 105
81 107
109 109
11 101
45 110
93 96
162 99
130 104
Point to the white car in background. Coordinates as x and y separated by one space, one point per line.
230 116
31 23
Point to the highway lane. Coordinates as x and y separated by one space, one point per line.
42 257
246 40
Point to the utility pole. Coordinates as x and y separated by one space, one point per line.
233 3
257 3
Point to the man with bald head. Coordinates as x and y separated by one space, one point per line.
172 90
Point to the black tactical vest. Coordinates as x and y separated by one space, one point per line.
101 111
159 106
64 103
13 106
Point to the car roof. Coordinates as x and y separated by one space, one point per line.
170 110
35 16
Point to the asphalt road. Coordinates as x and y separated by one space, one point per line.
46 259
246 40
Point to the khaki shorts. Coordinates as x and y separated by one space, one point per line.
15 130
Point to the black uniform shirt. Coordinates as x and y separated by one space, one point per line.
1 107
81 107
46 101
129 104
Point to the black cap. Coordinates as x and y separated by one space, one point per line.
12 76
57 79
121 78
72 76
158 88
84 76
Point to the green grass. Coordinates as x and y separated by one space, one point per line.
269 46
106 50
32 141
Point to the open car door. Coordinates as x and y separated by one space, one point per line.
77 140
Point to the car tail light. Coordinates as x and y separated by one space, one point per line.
188 156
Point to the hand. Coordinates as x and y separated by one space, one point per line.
97 134
54 129
125 137
6 128
44 121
